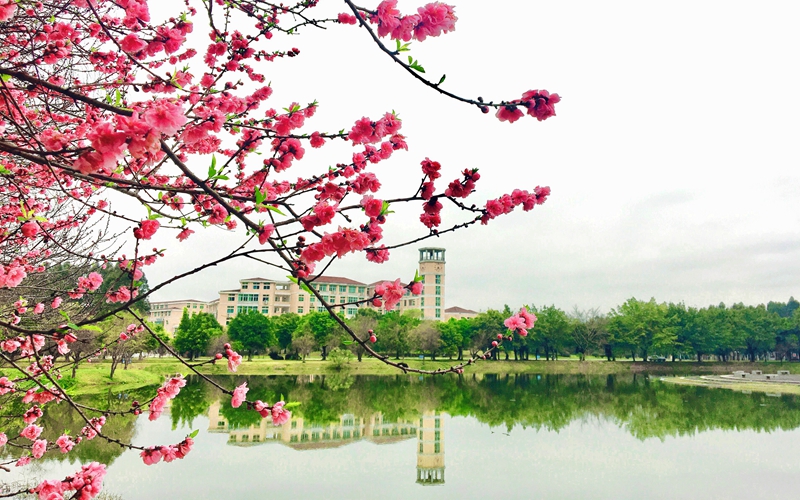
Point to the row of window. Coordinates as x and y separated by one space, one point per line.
323 287
264 309
253 297
188 306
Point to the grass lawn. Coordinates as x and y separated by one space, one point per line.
94 377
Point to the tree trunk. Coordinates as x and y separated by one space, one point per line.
359 354
324 352
460 354
250 355
74 367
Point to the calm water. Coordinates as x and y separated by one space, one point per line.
406 437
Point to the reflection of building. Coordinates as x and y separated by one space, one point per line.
430 457
306 435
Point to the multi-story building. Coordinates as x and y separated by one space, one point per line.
458 313
276 297
273 298
168 313
431 268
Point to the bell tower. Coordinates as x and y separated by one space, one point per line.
431 268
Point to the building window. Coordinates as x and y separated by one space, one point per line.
411 302
240 309
422 301
313 299
342 288
351 311
256 286
281 287
438 301
265 310
436 447
438 279
300 310
201 306
248 297
438 313
194 306
321 309
352 299
351 289
230 309
342 300
244 286
301 298
323 288
265 298
231 298
361 289
438 290
423 278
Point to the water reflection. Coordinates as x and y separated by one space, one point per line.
302 434
565 434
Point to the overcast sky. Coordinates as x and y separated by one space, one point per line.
673 159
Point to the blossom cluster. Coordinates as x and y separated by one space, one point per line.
154 454
166 392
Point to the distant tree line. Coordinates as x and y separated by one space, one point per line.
637 330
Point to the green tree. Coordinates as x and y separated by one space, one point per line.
284 326
195 332
253 331
552 330
641 326
393 331
364 321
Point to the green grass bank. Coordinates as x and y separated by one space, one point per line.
93 378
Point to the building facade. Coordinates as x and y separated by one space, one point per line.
431 268
168 313
273 298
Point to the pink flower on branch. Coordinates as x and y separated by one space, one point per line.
239 395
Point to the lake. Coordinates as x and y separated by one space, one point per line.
516 436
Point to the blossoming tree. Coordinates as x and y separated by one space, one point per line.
98 102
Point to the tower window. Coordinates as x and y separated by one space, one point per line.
438 279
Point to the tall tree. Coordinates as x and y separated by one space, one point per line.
253 331
195 332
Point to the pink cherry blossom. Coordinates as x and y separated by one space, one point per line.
65 443
147 228
7 8
239 395
31 432
165 117
39 447
279 415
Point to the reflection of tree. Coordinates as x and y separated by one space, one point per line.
60 418
643 407
193 401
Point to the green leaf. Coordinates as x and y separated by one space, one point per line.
117 98
93 328
260 197
73 326
290 405
347 342
292 279
441 80
212 170
5 78
194 433
275 209
63 313
4 170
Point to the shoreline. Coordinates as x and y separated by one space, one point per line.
93 378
